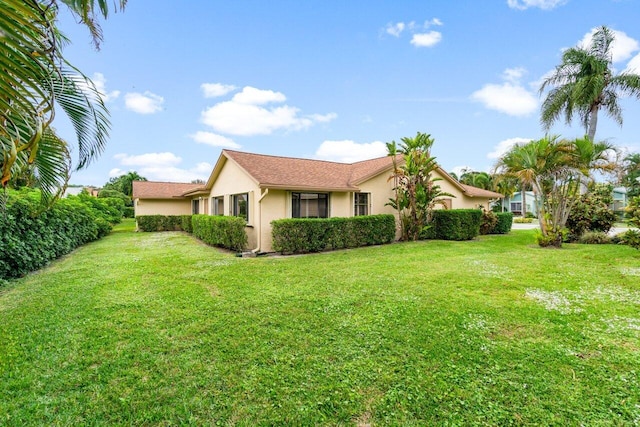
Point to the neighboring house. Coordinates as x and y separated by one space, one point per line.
75 190
264 188
514 203
620 200
162 198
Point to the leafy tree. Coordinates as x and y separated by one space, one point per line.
505 185
416 191
631 174
35 78
124 183
584 83
556 169
477 179
592 212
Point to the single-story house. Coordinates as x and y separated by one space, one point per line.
514 203
262 188
620 200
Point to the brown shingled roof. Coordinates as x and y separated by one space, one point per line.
161 190
480 192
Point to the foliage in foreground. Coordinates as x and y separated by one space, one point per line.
32 235
591 212
223 231
486 332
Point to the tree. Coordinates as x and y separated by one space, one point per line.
631 175
584 83
477 179
416 193
36 78
505 185
556 169
124 183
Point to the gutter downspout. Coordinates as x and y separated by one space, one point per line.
259 239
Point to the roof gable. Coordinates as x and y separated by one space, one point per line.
161 190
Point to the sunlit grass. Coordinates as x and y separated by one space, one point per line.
158 328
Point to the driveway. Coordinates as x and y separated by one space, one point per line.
531 225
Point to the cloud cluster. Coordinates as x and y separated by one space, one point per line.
143 103
420 37
161 167
254 111
349 151
542 4
503 146
509 97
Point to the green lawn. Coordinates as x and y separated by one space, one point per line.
147 329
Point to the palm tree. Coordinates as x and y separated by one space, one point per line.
36 78
556 169
584 83
416 191
631 178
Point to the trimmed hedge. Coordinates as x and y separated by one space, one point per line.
297 235
455 224
32 235
224 231
505 222
164 223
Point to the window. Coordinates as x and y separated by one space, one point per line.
195 206
217 205
360 204
516 206
240 205
309 205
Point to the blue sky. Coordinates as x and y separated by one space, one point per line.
334 80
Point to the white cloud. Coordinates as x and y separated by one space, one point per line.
116 172
542 4
213 90
162 167
395 29
213 139
246 115
252 96
156 159
143 103
429 39
101 85
622 48
434 21
509 97
504 146
634 65
349 151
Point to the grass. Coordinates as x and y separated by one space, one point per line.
159 329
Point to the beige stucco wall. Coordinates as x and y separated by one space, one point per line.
381 190
162 207
461 201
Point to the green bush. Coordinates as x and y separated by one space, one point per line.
629 237
223 231
488 222
591 213
297 235
520 220
160 222
129 212
31 235
594 238
505 221
455 224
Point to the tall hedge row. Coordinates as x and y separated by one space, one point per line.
164 223
224 231
315 235
505 222
32 235
455 224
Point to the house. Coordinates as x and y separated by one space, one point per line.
263 188
620 199
162 198
514 203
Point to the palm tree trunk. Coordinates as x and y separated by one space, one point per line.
593 122
524 201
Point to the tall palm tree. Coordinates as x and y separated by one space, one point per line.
34 79
631 177
584 83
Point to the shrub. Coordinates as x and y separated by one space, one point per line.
630 237
32 235
129 212
594 238
160 222
488 222
591 213
297 235
223 231
520 220
505 221
551 239
633 211
455 224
